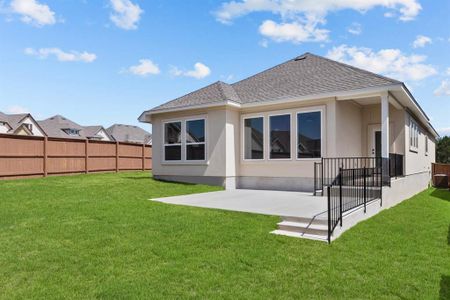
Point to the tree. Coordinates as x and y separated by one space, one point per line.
443 150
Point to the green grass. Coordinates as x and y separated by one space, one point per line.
97 236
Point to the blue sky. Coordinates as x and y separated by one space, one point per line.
105 61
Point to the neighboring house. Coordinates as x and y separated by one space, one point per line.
269 130
130 134
61 127
20 124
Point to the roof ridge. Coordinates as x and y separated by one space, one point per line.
355 68
200 89
265 70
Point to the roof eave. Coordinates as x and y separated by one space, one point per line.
145 117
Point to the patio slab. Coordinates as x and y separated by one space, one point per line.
278 203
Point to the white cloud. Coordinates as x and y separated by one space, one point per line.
301 19
144 68
355 29
200 71
33 12
448 71
443 89
126 14
390 62
16 109
444 131
408 9
60 55
421 41
293 32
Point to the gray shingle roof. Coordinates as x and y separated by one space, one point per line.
55 126
305 75
13 120
129 133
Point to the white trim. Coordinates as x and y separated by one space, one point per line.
414 133
426 145
243 118
177 144
290 136
309 110
195 143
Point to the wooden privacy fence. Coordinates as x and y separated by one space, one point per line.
440 169
30 156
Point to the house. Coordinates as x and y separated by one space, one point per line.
129 134
285 127
61 127
20 124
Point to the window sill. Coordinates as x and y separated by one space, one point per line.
185 163
413 150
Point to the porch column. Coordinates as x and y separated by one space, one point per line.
385 125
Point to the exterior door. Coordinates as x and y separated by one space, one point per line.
374 141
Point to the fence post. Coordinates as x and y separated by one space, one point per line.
143 156
340 195
365 188
117 156
315 178
45 156
86 156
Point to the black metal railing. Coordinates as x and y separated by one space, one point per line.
352 188
325 172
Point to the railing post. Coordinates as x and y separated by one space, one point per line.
365 188
315 178
323 175
340 195
329 214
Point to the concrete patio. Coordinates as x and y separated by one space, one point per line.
277 203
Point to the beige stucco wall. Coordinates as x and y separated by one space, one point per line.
290 167
371 115
349 129
215 145
417 162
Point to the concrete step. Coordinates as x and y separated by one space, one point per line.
300 235
304 228
306 220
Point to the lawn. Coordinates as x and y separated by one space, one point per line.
97 236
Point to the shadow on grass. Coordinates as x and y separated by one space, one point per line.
162 181
443 194
444 292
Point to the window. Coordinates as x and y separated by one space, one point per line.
172 141
29 126
254 138
195 140
309 137
413 135
426 145
72 131
280 136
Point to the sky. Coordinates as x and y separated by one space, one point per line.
100 62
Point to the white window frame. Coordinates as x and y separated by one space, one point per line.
426 145
184 139
243 137
290 136
177 144
309 110
413 135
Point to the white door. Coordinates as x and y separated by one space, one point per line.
374 140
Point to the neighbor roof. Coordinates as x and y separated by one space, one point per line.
129 133
55 126
15 120
305 75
